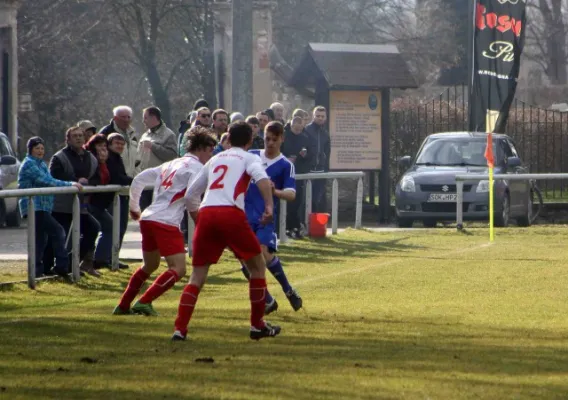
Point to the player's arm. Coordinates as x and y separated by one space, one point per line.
288 191
145 178
264 184
195 188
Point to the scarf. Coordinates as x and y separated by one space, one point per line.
104 173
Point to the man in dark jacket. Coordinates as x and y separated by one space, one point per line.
186 124
321 144
73 163
297 149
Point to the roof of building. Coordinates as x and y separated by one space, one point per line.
353 66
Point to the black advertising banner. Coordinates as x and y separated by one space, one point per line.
498 40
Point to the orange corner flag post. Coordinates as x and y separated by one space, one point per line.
490 163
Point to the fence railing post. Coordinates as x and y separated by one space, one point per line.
308 203
334 206
282 221
75 238
115 231
190 230
31 244
459 204
359 205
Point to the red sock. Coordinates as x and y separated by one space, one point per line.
136 281
257 293
161 285
186 307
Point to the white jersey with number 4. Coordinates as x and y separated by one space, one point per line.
225 180
170 182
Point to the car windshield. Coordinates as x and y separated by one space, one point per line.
454 151
5 148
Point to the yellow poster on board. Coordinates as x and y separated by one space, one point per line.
355 130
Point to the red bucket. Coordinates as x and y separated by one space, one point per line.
318 224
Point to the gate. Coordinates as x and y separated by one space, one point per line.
541 135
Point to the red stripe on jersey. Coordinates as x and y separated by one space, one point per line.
178 196
242 185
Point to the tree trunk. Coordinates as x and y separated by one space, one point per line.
208 72
242 56
161 98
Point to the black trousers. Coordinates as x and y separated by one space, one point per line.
296 209
90 228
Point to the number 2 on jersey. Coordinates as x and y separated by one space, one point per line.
218 183
168 181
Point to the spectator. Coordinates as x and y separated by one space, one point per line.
298 112
223 144
99 203
236 117
257 141
116 145
73 163
296 148
279 111
121 123
187 123
203 118
270 113
88 127
220 122
263 120
321 144
157 145
34 174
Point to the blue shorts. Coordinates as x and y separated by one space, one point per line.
266 235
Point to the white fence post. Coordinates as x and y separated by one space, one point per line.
459 204
282 221
308 203
31 244
75 238
359 205
190 230
334 206
115 231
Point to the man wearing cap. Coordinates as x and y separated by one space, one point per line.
34 174
88 127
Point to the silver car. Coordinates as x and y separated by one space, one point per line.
427 190
9 167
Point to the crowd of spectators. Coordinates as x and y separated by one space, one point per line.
116 153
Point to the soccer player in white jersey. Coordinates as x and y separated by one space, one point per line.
222 223
159 223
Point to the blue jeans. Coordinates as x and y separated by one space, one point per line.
103 249
48 230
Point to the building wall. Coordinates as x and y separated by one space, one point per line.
8 46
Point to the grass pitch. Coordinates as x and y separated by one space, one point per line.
422 314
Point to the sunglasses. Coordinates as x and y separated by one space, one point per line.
205 116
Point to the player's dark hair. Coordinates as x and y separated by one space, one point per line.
275 128
240 134
199 137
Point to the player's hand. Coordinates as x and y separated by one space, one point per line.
267 216
78 186
135 215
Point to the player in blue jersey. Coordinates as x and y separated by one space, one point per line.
281 173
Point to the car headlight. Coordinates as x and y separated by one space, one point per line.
482 187
407 184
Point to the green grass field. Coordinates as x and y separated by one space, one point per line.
422 314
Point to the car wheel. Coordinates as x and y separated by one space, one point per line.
429 223
14 220
526 219
405 222
502 218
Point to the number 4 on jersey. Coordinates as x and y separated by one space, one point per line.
168 182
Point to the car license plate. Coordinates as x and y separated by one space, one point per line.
443 197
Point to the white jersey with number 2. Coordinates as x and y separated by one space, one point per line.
170 182
225 180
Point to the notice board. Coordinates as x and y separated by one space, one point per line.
355 130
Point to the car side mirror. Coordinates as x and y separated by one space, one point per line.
514 162
404 162
8 160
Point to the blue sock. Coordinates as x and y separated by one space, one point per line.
268 299
275 268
